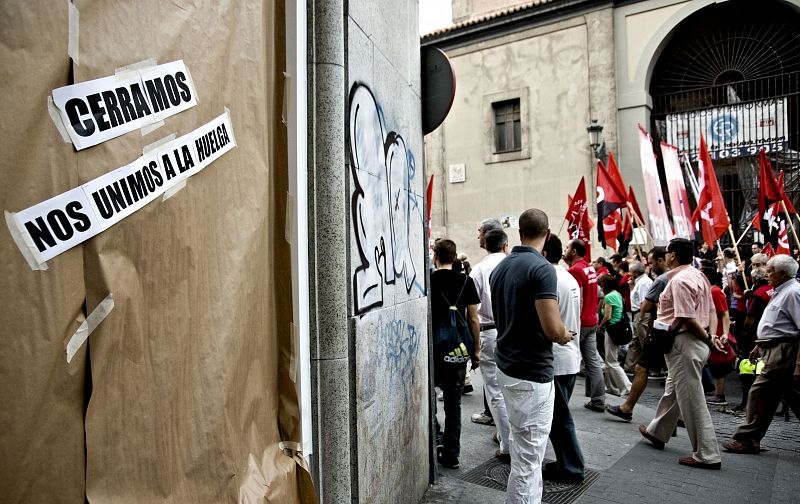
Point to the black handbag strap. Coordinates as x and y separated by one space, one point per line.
453 306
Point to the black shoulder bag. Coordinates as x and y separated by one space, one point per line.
620 332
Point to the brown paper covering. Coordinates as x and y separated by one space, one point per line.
189 391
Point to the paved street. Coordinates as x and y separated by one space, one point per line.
628 469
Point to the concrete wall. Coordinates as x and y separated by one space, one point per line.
389 313
370 328
564 75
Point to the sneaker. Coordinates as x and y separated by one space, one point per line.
482 418
502 457
716 400
450 463
598 407
467 388
556 476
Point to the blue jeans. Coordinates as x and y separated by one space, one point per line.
569 459
450 378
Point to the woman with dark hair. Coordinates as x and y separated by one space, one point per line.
611 307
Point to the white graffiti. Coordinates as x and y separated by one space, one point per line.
385 210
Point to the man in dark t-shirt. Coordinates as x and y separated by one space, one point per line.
526 313
451 289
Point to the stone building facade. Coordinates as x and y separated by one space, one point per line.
541 70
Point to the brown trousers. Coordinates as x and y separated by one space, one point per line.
775 380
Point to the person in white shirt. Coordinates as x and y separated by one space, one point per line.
495 241
569 465
640 285
728 266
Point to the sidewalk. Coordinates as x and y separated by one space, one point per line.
624 468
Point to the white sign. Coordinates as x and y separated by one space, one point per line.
101 109
58 224
457 173
733 131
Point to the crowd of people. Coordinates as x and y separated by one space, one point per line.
692 314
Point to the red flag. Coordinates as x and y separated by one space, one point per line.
710 211
615 174
767 250
612 227
610 197
578 223
768 191
783 235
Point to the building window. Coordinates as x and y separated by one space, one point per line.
507 126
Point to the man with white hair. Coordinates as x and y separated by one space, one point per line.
485 313
495 241
778 334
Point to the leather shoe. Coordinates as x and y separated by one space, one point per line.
654 440
735 446
692 462
503 457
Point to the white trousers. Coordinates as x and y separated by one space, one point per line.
494 396
530 413
617 382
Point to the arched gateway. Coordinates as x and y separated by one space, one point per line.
731 71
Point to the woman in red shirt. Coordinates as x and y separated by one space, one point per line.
719 370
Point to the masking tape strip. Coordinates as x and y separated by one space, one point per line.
230 133
190 82
56 118
173 189
139 65
25 244
294 331
74 32
158 143
290 218
146 130
287 87
292 446
87 326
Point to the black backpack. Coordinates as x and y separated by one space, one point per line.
452 338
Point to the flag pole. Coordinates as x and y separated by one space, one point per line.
738 257
562 227
736 243
791 224
639 221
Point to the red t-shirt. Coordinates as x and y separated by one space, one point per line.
759 299
587 279
720 305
